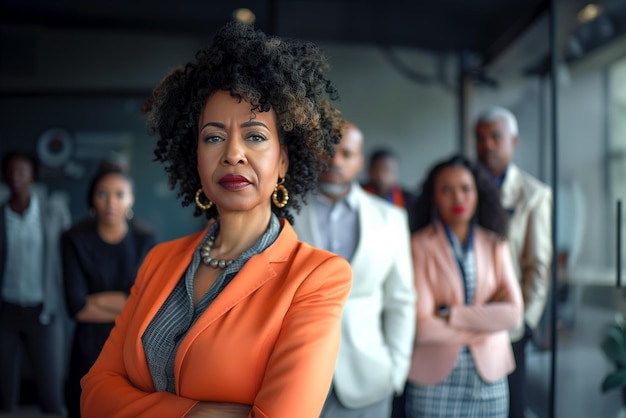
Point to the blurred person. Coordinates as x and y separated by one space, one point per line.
101 257
379 319
31 302
469 297
529 203
382 181
240 319
383 178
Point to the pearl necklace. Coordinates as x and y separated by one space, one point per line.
205 253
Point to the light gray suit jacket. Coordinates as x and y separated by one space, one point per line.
378 322
530 240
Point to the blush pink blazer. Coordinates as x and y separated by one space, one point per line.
269 340
483 325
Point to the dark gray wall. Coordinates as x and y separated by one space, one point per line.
89 121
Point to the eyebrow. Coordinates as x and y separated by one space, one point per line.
248 124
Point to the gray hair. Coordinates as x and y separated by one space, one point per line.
497 112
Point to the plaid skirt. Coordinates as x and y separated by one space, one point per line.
463 394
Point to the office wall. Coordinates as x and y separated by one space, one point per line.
93 82
419 121
97 126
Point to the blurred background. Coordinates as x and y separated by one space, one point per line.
413 75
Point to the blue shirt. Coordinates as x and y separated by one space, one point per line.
338 223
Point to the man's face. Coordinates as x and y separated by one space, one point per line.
20 175
383 174
495 145
347 162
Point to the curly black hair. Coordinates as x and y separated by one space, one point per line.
490 214
270 73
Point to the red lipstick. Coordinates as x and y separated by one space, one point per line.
234 182
458 210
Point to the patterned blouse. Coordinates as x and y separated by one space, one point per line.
174 319
466 261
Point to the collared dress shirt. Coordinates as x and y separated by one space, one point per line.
23 283
338 223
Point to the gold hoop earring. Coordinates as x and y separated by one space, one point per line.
283 190
200 204
130 214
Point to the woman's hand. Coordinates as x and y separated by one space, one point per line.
219 410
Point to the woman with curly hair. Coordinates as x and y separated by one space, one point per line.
469 297
241 319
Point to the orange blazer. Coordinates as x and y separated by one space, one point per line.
269 340
483 325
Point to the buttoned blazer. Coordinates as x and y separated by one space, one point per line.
55 218
483 325
270 339
530 202
378 323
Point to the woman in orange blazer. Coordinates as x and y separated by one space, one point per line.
469 297
241 319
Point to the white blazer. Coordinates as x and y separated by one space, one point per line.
378 321
530 240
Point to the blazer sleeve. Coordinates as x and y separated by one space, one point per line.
107 390
536 257
399 305
298 372
504 314
300 368
432 329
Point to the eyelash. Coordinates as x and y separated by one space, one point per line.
209 138
253 137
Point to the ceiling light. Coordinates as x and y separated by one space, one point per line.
589 12
244 15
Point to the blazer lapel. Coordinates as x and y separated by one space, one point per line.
369 225
447 262
510 189
255 273
308 230
481 255
183 254
169 272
